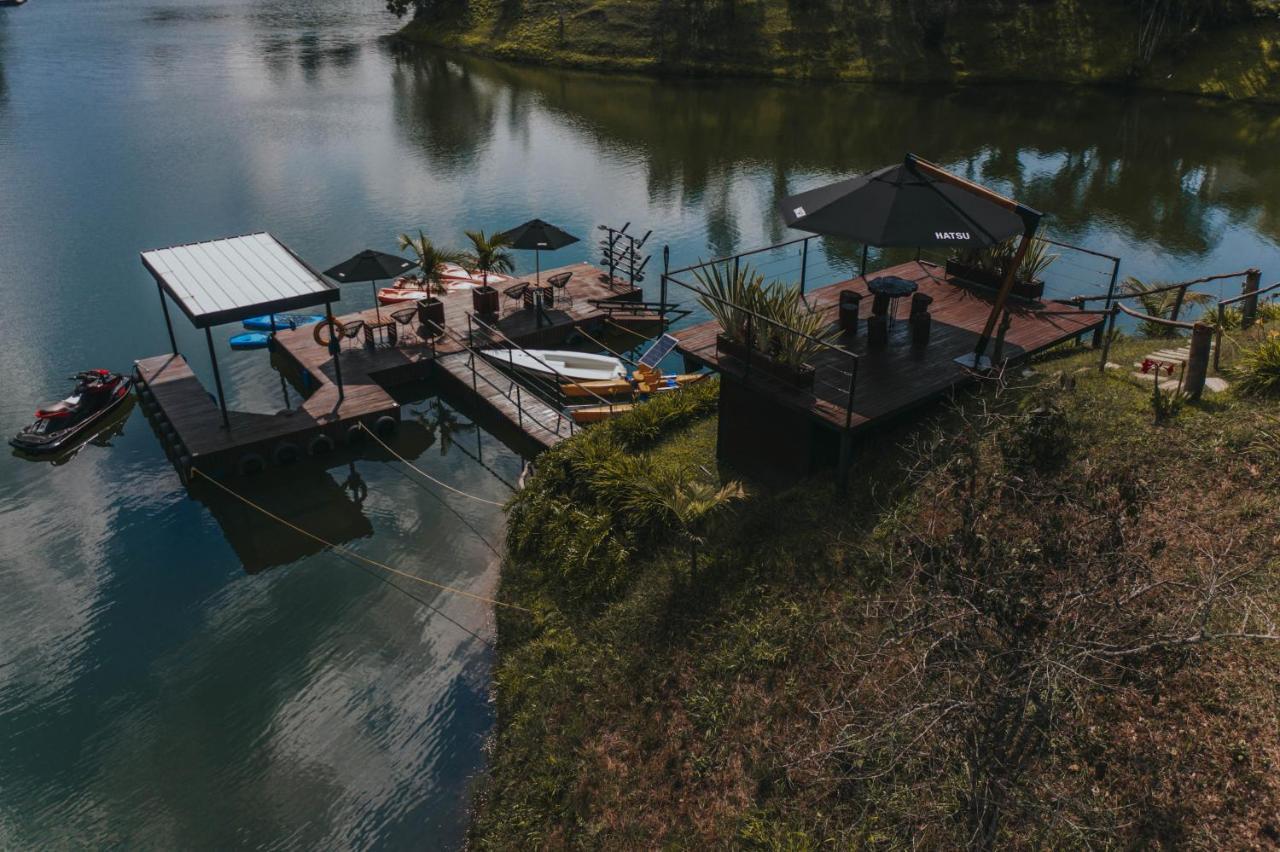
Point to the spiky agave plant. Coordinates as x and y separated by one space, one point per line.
729 296
431 258
489 252
800 332
1159 304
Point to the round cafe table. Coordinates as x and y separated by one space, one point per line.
891 288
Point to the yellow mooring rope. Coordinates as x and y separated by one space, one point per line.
423 473
339 548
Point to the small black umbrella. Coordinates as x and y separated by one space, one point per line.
538 236
903 205
370 265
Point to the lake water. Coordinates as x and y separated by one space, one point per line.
177 674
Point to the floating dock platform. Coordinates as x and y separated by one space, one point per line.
190 424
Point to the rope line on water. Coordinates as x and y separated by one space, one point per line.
343 550
423 473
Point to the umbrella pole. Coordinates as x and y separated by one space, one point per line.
1003 296
537 265
377 309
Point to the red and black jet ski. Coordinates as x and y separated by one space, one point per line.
58 425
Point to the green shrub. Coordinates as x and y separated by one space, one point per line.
1257 370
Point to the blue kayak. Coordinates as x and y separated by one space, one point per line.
282 321
251 340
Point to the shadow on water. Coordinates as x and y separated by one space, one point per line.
1159 169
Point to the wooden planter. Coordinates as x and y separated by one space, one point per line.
800 377
1032 290
431 314
484 301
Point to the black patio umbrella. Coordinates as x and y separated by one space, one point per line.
370 265
904 205
917 203
538 236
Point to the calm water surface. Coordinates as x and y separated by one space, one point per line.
176 673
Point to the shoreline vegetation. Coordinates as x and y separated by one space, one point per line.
1045 615
1227 49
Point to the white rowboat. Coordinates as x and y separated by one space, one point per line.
561 364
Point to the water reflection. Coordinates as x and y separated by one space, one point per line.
1169 171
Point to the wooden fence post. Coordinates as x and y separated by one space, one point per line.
1198 361
1249 307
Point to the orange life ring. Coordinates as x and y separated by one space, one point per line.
324 325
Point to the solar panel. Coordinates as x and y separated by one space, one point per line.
660 349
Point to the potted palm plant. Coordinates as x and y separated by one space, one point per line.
432 260
488 254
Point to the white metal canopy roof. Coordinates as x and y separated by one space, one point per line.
221 281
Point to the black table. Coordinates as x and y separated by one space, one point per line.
891 288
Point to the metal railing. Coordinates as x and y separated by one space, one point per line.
556 387
757 327
517 399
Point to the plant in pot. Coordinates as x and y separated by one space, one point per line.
986 266
488 255
432 260
770 325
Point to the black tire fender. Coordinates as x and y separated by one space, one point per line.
285 453
320 445
250 463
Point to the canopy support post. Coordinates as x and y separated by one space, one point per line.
336 350
977 359
168 323
217 380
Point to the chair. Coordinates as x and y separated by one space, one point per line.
352 330
516 291
560 283
405 316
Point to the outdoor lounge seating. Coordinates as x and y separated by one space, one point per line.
405 316
516 292
353 329
559 284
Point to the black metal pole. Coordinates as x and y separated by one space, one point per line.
662 297
863 272
217 380
164 306
804 262
335 349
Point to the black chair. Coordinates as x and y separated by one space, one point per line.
405 316
352 330
516 291
560 286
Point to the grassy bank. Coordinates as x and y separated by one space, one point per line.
1067 41
1019 626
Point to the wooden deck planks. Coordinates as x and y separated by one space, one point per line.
520 409
901 375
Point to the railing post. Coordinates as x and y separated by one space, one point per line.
746 370
662 298
804 263
853 384
735 268
862 270
1106 306
1177 302
1198 360
1249 309
1217 348
519 407
1109 327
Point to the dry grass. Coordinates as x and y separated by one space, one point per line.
777 700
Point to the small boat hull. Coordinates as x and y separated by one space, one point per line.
584 414
561 364
400 295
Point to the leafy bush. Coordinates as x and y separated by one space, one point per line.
1257 370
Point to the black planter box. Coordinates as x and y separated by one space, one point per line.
484 301
431 314
800 377
1032 290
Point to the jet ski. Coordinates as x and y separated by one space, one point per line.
59 424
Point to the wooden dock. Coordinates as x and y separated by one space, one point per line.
189 422
899 376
